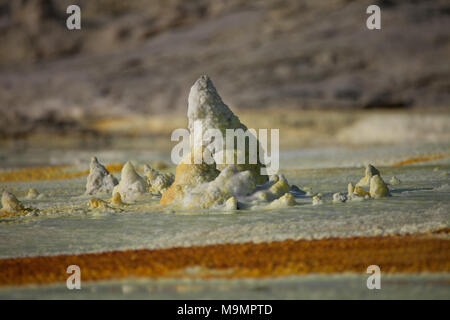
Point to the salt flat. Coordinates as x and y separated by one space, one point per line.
419 204
334 286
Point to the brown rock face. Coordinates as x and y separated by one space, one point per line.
139 56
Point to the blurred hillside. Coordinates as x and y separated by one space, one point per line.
141 57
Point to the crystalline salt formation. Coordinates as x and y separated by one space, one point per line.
131 185
99 179
157 182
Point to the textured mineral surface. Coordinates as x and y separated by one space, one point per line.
216 184
157 182
206 109
11 206
131 185
99 179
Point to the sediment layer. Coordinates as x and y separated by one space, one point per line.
60 172
394 254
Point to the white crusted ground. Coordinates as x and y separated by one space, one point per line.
420 203
334 286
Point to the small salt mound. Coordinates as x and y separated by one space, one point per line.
10 203
95 203
131 186
32 194
339 197
116 200
12 206
350 189
285 201
372 179
229 183
370 172
99 179
317 200
378 188
360 191
273 189
233 189
157 182
188 175
395 181
231 204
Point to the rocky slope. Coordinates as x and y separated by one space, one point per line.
141 57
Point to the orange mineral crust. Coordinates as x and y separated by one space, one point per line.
407 254
426 158
49 173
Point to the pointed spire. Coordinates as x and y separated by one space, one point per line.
10 203
99 178
131 184
206 105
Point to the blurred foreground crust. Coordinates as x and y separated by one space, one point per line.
394 254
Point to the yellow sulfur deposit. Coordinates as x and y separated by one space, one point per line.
279 188
360 191
370 172
226 190
40 173
10 203
229 183
317 199
287 200
350 189
157 182
116 199
95 203
231 204
188 175
372 179
378 188
394 181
